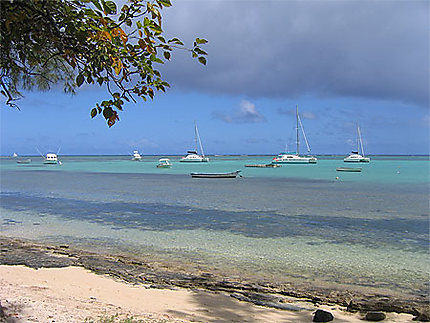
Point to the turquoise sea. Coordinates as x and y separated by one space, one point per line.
293 223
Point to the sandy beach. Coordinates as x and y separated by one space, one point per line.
74 294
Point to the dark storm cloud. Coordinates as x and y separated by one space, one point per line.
373 49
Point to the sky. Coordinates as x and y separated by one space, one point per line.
342 62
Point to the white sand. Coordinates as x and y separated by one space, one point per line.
73 294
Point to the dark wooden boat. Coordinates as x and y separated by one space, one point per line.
216 175
349 169
263 165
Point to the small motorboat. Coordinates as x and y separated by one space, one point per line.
136 156
164 163
216 175
349 169
51 159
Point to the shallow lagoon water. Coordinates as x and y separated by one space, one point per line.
294 222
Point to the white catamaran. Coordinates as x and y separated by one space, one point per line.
357 156
295 158
192 155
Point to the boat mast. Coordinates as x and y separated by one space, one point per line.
360 142
198 139
304 136
195 135
297 129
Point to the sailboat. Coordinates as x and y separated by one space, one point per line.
357 156
192 155
295 158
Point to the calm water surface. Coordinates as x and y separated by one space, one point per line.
296 222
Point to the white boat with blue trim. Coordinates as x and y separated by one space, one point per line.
295 158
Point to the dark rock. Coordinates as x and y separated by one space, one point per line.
2 314
375 316
422 316
323 316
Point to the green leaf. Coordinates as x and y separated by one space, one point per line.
156 28
93 112
199 51
165 3
201 41
176 41
202 60
166 55
79 80
107 112
109 7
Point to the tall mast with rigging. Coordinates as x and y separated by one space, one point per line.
297 130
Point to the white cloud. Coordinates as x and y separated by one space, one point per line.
246 113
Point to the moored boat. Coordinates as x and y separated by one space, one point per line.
193 155
357 156
295 158
164 163
136 156
216 175
51 159
263 165
349 169
23 161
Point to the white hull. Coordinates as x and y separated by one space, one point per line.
301 161
50 162
194 160
357 160
293 159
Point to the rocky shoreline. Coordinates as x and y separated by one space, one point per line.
137 271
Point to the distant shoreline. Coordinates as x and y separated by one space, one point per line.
216 155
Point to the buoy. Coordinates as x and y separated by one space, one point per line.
337 177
